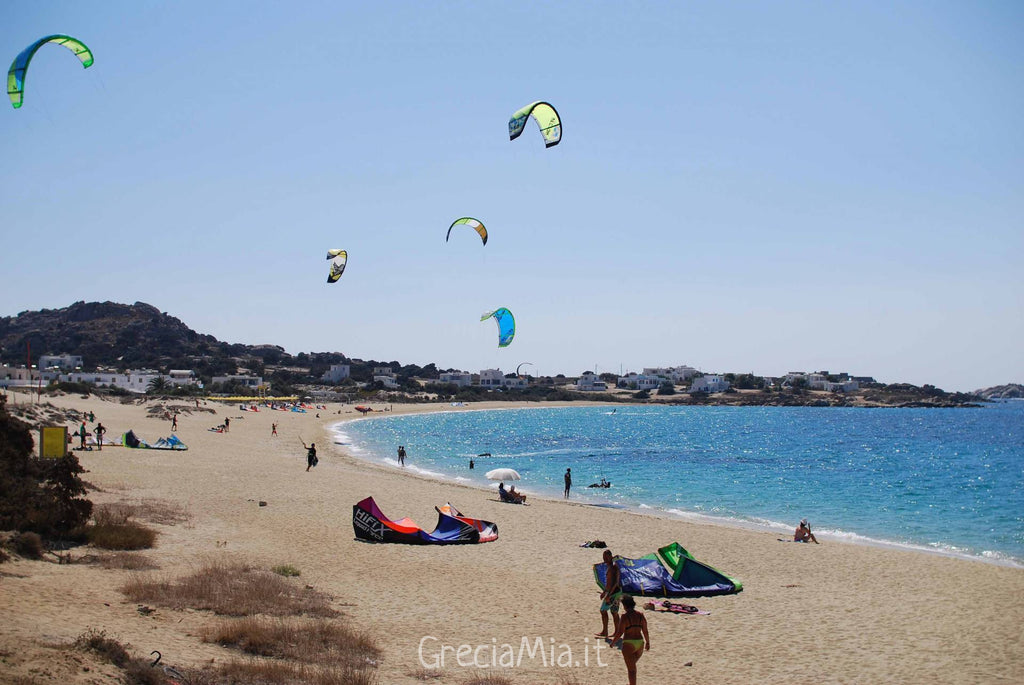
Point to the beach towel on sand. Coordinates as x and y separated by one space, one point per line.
674 607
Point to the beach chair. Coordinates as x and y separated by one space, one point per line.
508 497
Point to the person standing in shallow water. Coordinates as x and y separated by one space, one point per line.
568 482
401 455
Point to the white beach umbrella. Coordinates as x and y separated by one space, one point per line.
503 474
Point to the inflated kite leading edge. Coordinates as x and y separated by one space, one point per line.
16 74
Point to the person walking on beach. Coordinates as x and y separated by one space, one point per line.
174 423
227 424
401 455
568 482
273 429
100 431
610 595
81 434
311 459
632 631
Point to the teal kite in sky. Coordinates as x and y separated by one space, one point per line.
506 325
472 223
545 116
16 74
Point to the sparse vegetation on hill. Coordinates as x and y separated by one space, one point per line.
112 335
1010 391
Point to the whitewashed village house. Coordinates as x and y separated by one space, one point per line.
709 383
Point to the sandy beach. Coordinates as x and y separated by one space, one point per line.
831 613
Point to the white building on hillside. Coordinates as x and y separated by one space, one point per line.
816 381
336 374
590 382
517 382
247 381
676 374
491 378
639 381
60 361
179 377
19 376
385 375
463 379
709 383
133 381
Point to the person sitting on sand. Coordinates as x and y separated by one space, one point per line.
633 632
803 533
518 496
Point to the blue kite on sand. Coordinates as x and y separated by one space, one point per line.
679 576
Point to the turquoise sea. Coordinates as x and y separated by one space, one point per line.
948 480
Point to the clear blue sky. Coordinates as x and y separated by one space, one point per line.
755 186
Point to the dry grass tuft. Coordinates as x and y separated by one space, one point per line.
137 671
120 536
232 589
489 680
286 570
259 672
28 545
108 648
127 561
426 674
568 680
317 641
161 512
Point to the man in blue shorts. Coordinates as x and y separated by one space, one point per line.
611 594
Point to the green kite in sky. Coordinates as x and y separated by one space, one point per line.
545 116
16 74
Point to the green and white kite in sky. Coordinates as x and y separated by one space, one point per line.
16 74
472 223
545 116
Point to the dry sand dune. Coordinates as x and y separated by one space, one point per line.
829 613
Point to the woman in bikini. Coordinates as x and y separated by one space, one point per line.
635 640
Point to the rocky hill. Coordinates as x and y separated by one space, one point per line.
113 335
1010 391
